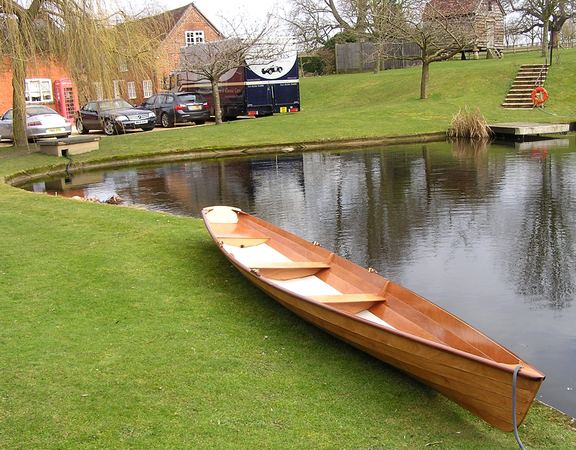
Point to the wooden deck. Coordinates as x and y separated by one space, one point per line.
516 130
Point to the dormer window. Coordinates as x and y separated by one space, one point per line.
194 37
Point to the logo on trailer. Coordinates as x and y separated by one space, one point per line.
271 70
274 70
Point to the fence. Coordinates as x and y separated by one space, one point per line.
364 56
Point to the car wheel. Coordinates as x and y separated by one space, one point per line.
166 121
80 127
109 128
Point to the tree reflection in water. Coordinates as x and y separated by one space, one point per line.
544 252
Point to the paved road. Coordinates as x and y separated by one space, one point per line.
101 133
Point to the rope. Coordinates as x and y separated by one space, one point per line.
552 114
514 422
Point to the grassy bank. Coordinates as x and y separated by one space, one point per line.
122 328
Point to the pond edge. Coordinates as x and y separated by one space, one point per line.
72 167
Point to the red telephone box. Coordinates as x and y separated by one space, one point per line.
66 98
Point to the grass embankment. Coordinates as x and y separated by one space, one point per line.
124 328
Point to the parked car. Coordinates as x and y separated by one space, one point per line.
41 122
113 117
178 107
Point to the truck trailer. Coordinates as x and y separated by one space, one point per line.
250 90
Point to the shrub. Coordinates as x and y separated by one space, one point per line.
469 124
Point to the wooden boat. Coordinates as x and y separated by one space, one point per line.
378 316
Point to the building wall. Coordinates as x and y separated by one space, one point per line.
169 57
169 54
482 19
52 71
192 20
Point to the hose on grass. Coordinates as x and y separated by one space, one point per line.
542 110
514 421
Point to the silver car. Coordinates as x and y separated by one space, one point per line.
41 122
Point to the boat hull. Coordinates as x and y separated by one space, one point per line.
484 390
481 385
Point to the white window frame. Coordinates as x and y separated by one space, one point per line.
147 88
192 37
131 87
44 90
98 90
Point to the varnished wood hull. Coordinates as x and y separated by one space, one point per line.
479 383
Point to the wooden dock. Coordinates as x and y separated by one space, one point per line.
520 130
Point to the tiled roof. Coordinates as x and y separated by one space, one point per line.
172 17
452 7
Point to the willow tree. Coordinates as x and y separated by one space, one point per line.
82 36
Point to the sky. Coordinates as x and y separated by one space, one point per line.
254 11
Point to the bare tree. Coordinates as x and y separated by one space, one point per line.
77 34
438 33
521 27
211 60
547 15
568 37
315 22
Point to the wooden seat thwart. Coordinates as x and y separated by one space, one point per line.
288 270
238 240
349 298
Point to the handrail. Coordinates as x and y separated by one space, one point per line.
539 81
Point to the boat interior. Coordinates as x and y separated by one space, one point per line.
310 271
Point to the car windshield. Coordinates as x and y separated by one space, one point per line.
38 110
108 105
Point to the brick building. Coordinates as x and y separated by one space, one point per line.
187 26
41 80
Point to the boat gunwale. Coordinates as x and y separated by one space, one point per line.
528 371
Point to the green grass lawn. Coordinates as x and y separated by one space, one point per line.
123 328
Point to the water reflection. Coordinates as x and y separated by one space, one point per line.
485 231
469 148
544 251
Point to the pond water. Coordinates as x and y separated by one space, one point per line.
487 233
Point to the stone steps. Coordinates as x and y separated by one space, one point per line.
528 77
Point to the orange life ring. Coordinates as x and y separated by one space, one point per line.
539 96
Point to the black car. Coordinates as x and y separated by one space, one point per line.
178 107
113 116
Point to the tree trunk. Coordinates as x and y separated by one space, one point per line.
545 38
424 80
216 102
555 38
18 102
18 96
